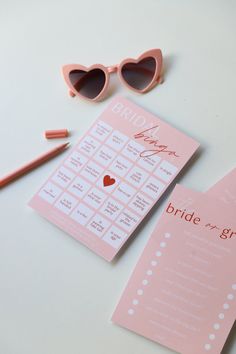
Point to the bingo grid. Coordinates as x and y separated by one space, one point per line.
134 184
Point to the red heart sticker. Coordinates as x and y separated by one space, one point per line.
108 181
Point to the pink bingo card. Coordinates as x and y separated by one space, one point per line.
182 293
112 178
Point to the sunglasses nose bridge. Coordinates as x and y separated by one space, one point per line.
112 68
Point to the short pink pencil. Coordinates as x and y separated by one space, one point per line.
32 164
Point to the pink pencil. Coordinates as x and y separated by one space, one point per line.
32 164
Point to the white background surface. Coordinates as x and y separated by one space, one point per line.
56 296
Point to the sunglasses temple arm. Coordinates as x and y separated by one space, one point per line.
114 68
159 79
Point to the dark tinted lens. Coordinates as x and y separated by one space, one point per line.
88 84
139 75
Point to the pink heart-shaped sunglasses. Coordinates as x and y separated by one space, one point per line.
139 75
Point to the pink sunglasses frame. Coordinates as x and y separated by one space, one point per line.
154 53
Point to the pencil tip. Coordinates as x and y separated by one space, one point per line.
65 145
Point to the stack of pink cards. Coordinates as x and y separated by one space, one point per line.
182 293
114 175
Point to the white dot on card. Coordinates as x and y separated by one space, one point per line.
153 263
221 316
158 254
234 286
130 311
163 244
140 292
230 296
226 306
216 326
212 336
135 301
207 346
149 272
167 235
144 282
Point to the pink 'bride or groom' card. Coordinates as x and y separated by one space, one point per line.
182 293
114 175
225 189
